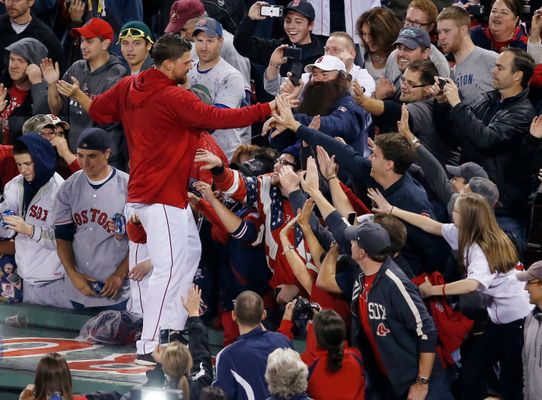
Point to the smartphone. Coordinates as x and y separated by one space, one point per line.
292 53
296 71
271 11
441 82
164 336
476 9
351 218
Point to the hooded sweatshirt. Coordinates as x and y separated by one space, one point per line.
36 255
162 123
93 83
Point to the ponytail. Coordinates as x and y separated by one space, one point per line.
330 332
335 358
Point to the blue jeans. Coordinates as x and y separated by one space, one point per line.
516 229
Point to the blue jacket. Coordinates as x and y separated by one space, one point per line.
347 120
400 324
423 252
240 367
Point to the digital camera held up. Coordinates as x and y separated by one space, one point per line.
303 310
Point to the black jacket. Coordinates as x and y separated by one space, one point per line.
495 134
259 50
37 30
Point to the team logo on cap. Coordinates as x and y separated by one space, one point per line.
296 3
381 330
408 32
319 60
202 22
83 145
174 16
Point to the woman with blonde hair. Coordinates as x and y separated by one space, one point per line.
488 259
177 363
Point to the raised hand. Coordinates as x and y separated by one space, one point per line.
384 89
315 123
402 124
310 182
34 74
328 167
254 11
193 301
289 180
210 160
536 127
68 89
358 92
50 71
3 95
77 10
380 204
304 214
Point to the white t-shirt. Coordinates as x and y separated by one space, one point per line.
506 298
224 85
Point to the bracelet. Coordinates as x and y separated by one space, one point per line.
444 290
333 177
414 140
391 209
290 247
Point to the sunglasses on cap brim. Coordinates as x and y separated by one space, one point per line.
135 34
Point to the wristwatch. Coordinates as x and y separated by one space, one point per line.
414 140
422 380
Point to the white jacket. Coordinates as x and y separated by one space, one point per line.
36 256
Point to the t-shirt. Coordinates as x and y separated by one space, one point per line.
506 298
224 86
473 75
16 99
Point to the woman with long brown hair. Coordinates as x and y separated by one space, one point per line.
488 259
378 28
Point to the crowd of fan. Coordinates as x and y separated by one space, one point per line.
385 216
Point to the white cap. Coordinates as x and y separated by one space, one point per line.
327 63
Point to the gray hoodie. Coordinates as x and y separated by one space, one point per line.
94 83
532 356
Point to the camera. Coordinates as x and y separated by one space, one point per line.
271 11
442 82
303 309
292 53
296 71
476 10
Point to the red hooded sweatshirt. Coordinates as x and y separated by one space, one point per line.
162 124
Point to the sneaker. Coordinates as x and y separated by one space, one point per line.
170 335
145 359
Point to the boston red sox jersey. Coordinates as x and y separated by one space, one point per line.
224 85
36 256
96 250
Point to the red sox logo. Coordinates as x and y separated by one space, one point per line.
295 3
381 330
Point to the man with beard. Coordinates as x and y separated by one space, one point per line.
163 122
416 83
328 95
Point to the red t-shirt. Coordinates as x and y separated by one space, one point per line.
364 319
16 98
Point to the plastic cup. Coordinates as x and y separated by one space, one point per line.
17 321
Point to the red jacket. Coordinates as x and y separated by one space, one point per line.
162 124
8 168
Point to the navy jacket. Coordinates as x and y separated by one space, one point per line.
400 324
240 367
423 252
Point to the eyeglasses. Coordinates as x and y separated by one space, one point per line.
411 84
534 282
284 162
135 34
416 24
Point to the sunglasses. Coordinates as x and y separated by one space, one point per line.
135 34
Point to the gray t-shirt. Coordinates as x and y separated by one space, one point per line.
224 85
473 75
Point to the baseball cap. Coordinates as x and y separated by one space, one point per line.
182 11
302 7
467 171
37 123
94 139
208 25
534 272
327 63
57 121
135 29
371 237
254 167
413 38
95 27
486 188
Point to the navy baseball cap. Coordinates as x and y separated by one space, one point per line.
413 38
302 7
371 237
467 171
94 139
210 26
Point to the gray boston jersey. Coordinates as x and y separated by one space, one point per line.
97 251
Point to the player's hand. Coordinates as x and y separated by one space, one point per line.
289 180
140 271
284 117
381 205
418 392
384 89
193 300
310 182
210 160
287 293
50 71
112 286
77 10
27 393
3 95
34 74
82 283
254 11
68 89
271 126
289 310
328 166
18 224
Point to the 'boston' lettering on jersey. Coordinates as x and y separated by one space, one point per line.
93 215
38 213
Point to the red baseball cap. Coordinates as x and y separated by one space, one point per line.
95 27
182 11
